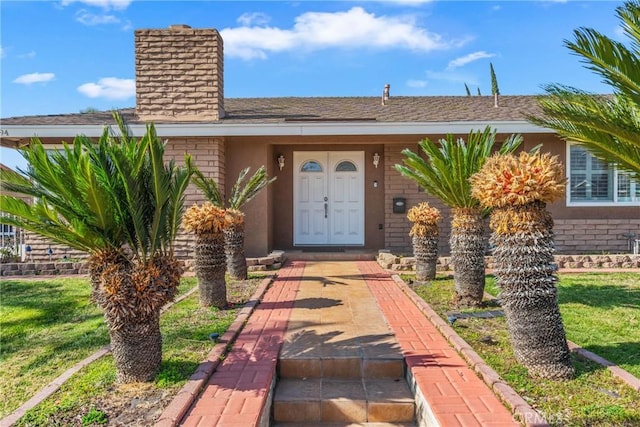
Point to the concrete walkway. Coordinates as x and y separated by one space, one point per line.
334 309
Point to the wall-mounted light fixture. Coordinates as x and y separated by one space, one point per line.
376 159
281 161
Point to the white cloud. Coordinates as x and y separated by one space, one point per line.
28 55
354 28
3 52
90 19
109 88
416 83
464 60
105 4
27 79
256 18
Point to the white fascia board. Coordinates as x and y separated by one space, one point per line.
277 129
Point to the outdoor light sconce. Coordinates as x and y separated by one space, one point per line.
376 160
281 161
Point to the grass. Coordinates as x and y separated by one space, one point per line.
49 325
600 313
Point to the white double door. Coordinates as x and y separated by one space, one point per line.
328 198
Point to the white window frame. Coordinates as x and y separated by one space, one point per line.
607 203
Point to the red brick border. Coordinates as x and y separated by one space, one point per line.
519 407
183 400
236 391
615 370
454 393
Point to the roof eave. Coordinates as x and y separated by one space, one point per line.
276 129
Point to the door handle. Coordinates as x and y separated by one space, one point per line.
326 207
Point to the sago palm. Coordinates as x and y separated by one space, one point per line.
445 174
243 191
608 126
119 201
517 189
424 237
207 222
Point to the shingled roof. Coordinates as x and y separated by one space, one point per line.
332 109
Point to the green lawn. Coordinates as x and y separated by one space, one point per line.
49 325
601 313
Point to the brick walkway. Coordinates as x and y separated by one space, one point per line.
456 395
237 393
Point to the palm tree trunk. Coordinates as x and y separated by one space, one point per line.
523 257
210 265
234 250
425 250
131 297
137 350
468 243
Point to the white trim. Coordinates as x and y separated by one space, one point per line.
276 129
588 204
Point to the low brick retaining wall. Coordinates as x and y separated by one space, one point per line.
393 262
273 261
42 268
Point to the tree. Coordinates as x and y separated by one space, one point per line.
495 91
518 189
608 126
241 194
466 89
207 222
424 236
119 201
445 174
494 81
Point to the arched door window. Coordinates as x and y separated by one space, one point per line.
346 166
311 166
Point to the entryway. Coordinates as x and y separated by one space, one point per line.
328 198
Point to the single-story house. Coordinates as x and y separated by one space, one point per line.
334 157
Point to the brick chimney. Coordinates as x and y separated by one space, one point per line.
179 75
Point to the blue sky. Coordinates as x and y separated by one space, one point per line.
69 55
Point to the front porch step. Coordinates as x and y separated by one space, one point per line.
343 425
356 400
389 366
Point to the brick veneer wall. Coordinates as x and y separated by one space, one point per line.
179 74
397 225
580 236
209 156
572 236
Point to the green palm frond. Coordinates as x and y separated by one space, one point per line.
449 164
209 188
609 127
99 196
175 207
161 187
611 59
242 193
